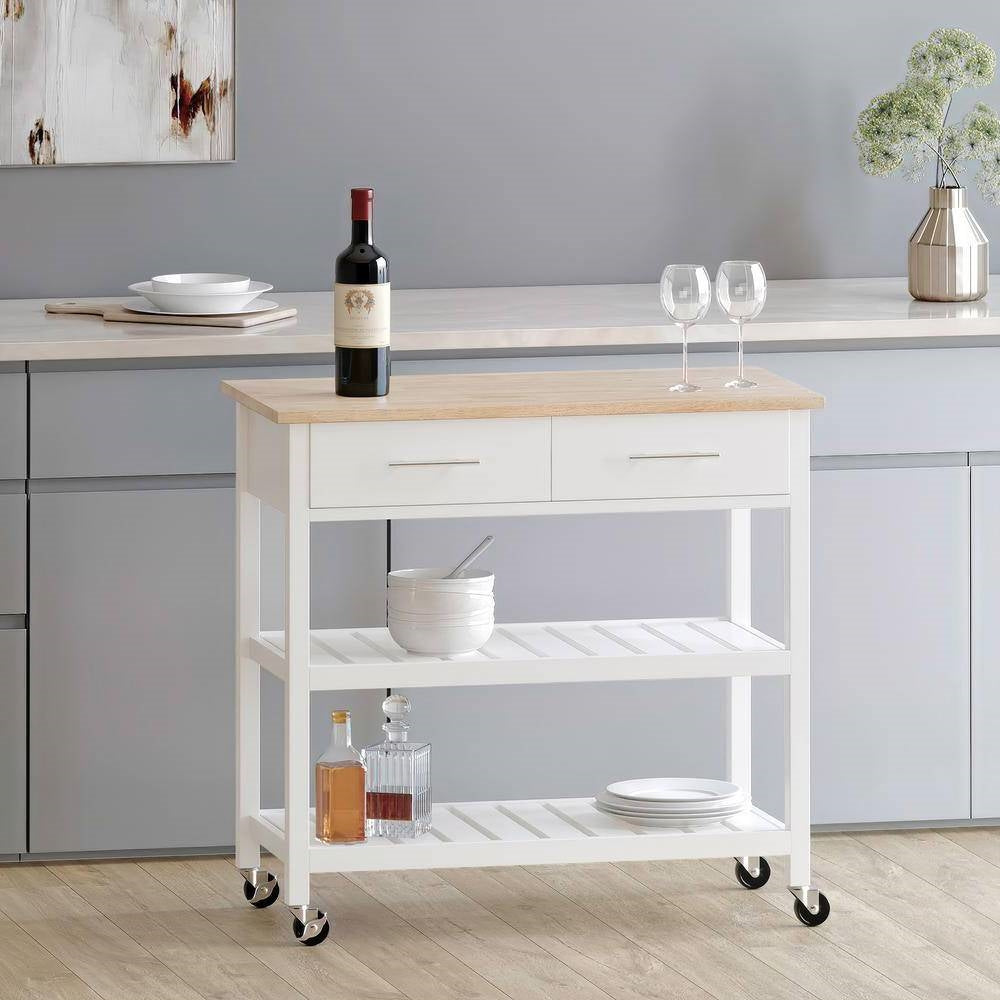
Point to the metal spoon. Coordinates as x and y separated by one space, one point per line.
471 558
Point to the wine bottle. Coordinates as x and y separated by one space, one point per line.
361 307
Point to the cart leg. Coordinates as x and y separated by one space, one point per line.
739 714
811 906
247 671
297 762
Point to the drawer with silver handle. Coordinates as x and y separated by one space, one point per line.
669 455
414 462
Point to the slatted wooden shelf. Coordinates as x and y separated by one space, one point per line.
538 653
534 831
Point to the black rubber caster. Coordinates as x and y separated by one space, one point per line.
249 892
813 919
749 881
318 937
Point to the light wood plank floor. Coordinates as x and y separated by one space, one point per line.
915 915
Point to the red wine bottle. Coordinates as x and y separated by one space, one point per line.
361 307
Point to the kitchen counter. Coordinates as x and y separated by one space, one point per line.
812 314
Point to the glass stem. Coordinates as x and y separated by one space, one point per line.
740 349
684 354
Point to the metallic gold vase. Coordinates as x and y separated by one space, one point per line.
949 257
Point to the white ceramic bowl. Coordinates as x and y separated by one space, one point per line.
440 639
479 618
472 581
200 302
204 282
432 602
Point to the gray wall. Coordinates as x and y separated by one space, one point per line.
513 142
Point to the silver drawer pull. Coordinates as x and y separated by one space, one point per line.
677 454
442 461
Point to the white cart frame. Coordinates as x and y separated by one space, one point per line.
273 467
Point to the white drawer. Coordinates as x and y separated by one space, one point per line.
669 455
405 463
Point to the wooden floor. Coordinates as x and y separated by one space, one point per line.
915 914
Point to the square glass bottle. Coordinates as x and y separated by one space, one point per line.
399 778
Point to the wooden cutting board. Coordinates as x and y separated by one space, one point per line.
115 312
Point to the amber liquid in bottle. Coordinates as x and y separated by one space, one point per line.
390 805
340 803
340 787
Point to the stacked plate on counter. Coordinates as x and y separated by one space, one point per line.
201 294
672 802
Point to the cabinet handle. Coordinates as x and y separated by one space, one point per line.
677 454
442 461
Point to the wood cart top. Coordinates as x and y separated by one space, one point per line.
518 394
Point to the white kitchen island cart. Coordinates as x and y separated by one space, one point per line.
520 444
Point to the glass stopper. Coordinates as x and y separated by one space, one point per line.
396 707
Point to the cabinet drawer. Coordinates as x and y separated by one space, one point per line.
13 553
402 463
669 455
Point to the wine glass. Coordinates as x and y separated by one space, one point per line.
685 294
741 288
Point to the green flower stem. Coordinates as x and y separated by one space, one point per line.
938 178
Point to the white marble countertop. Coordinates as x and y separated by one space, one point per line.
554 318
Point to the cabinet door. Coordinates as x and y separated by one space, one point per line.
890 645
132 700
12 741
131 718
985 642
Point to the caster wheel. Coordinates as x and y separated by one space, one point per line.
749 881
249 891
317 936
813 919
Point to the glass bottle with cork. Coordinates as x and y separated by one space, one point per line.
340 787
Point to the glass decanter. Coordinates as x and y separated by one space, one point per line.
399 778
340 787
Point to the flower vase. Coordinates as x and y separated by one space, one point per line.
949 253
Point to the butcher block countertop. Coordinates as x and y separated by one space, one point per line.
809 315
520 394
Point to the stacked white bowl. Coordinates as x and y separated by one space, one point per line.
431 614
201 293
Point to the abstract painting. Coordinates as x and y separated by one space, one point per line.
116 81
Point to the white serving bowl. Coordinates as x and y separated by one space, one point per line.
200 302
479 618
472 581
440 639
432 602
205 282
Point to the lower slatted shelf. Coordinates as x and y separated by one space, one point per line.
539 653
536 831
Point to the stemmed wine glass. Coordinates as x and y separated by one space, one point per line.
685 294
741 288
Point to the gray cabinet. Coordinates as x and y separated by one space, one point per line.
890 649
13 426
131 719
13 553
12 741
986 641
132 701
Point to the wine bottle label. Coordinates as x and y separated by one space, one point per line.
361 315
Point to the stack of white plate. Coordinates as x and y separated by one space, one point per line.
201 294
672 802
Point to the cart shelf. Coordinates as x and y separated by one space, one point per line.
533 832
538 653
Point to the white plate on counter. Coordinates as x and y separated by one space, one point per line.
194 303
251 309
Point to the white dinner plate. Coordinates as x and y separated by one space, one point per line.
683 791
144 306
657 808
667 822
